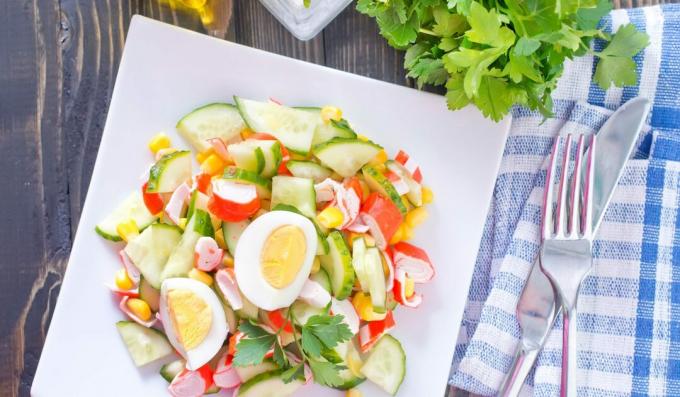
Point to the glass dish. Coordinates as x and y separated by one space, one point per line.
305 23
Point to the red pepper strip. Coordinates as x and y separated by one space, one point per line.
203 182
278 321
233 202
413 261
353 183
382 217
153 201
371 332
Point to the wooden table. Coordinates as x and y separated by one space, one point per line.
58 62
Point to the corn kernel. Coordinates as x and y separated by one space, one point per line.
408 233
201 276
212 165
127 230
228 260
398 235
428 196
140 309
379 158
123 281
362 138
369 240
219 239
298 157
329 113
246 133
158 142
331 217
409 288
201 156
182 223
364 307
416 217
353 392
316 265
380 167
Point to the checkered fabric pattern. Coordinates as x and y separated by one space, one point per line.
629 306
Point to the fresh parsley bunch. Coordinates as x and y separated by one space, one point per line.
497 53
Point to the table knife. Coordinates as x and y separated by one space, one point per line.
537 309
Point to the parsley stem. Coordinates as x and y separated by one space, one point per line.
428 32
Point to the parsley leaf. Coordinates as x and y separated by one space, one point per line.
310 343
250 351
293 373
329 330
279 356
455 94
325 373
616 65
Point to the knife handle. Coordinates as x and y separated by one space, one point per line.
521 365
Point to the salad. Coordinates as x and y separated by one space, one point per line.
279 263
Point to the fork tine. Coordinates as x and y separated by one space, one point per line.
587 211
547 220
575 202
561 216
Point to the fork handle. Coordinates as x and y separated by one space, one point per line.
519 370
569 364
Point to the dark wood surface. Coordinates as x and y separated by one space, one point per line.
58 62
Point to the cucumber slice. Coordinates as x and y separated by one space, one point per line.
359 262
248 372
263 185
216 120
308 169
298 192
170 370
200 201
415 190
181 259
303 311
149 294
293 127
386 365
338 265
327 131
144 344
258 156
232 232
322 246
322 278
131 208
376 279
268 384
351 375
151 250
169 172
249 310
346 156
378 182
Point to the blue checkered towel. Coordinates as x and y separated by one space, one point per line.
629 307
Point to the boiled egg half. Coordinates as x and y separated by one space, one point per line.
274 257
193 319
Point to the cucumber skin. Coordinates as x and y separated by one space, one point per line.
323 279
203 223
107 236
387 338
168 373
157 169
372 175
263 185
337 242
125 324
244 388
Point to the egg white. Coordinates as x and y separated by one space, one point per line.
247 260
213 341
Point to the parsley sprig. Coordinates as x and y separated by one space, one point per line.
498 53
315 341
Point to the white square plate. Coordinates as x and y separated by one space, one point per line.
166 72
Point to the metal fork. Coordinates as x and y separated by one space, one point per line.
566 252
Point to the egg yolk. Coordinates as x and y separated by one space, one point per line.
283 254
191 317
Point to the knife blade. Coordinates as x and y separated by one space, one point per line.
537 309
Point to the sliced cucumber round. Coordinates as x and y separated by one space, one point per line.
386 365
200 201
376 279
293 127
327 131
297 192
338 265
181 259
378 182
248 372
322 278
415 189
132 207
215 120
351 376
169 172
268 384
263 185
232 232
170 370
359 262
151 250
308 169
346 156
149 294
144 344
303 311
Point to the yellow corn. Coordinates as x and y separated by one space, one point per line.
354 365
410 287
227 260
364 307
329 113
369 240
353 392
428 196
416 217
182 223
331 217
398 235
219 239
140 309
246 133
123 281
362 138
201 156
316 265
158 142
408 233
406 203
380 167
212 165
379 158
128 230
201 276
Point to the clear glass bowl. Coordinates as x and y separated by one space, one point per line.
305 23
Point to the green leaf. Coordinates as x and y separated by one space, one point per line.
252 351
461 6
533 17
565 8
310 343
330 330
589 18
496 97
413 53
476 62
520 66
296 372
252 331
627 42
618 71
429 71
485 28
331 356
325 373
526 46
449 44
447 24
279 356
307 3
455 94
398 34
